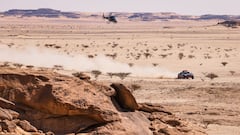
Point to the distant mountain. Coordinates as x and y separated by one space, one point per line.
51 13
158 16
42 12
220 17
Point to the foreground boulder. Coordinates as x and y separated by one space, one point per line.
124 97
41 102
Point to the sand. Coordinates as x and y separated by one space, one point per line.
204 46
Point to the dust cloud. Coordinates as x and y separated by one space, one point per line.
48 58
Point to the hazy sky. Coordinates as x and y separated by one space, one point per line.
194 7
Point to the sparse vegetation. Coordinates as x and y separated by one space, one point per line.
90 56
154 64
211 76
130 64
30 66
122 75
232 72
113 56
191 56
224 63
154 49
17 65
58 67
207 56
180 56
163 55
147 55
170 46
85 46
96 73
110 74
57 47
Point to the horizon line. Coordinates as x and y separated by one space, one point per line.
1 11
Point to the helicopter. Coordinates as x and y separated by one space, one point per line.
110 18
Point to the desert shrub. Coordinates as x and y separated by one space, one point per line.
113 56
85 46
96 73
147 54
154 64
232 72
211 76
138 56
191 56
57 47
180 45
18 65
227 55
224 63
163 55
130 64
58 67
90 56
207 56
30 66
110 74
155 49
180 56
122 75
114 45
170 46
50 45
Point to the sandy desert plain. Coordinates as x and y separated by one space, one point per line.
153 52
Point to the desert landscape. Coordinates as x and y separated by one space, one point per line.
143 52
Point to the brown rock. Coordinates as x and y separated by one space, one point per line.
68 105
14 114
149 107
5 115
7 125
61 107
25 125
5 103
124 97
132 123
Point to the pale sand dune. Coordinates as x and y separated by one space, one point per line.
204 46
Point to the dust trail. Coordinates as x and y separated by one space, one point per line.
48 58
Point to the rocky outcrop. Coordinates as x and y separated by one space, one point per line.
56 103
33 101
124 97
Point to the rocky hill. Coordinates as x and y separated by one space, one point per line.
45 102
42 12
51 13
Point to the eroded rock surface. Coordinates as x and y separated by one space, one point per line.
44 102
